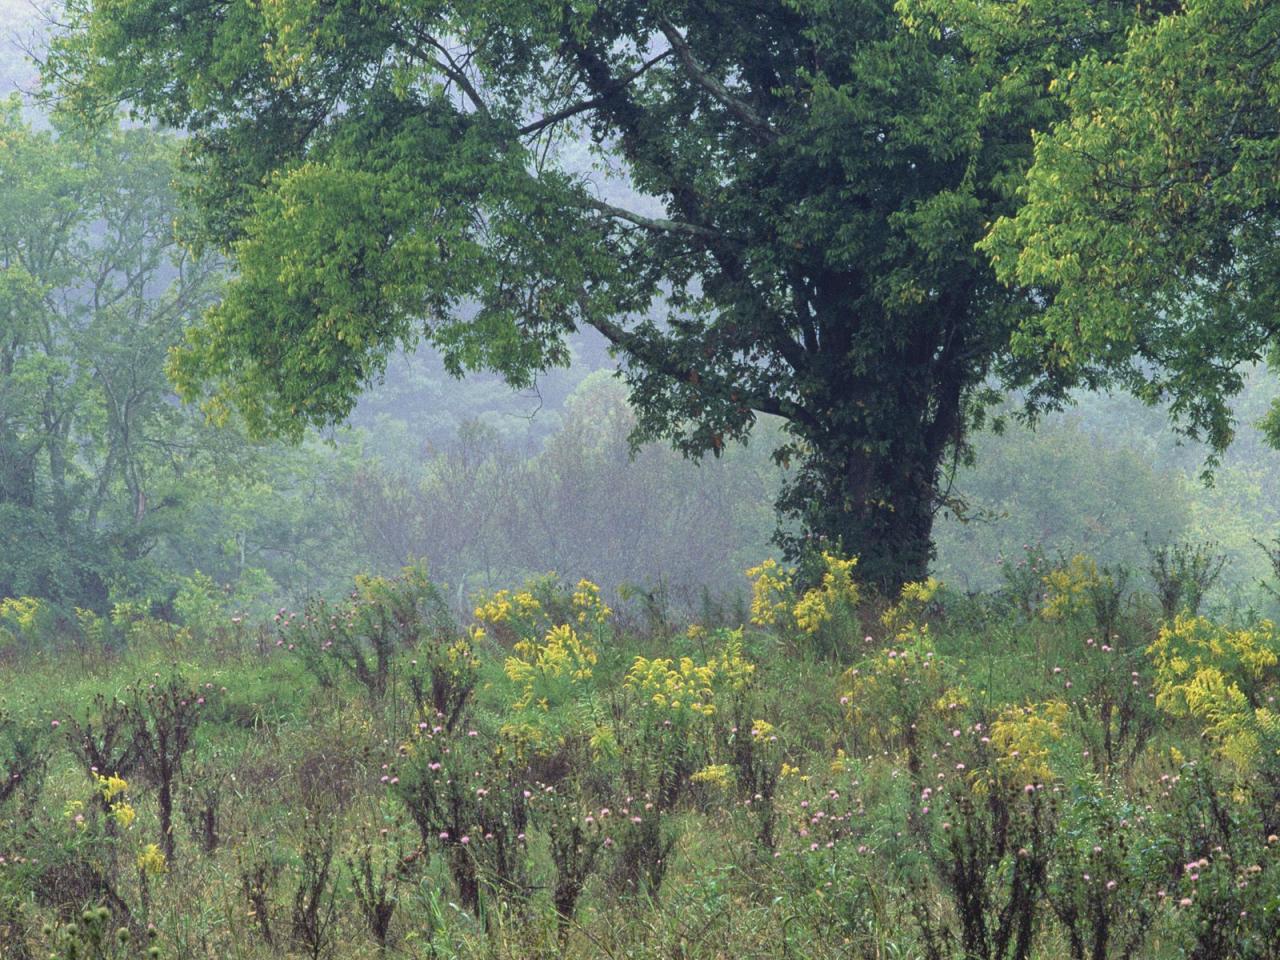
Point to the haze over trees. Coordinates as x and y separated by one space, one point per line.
818 177
809 247
363 653
93 288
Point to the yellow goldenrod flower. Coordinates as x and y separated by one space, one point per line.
716 774
111 786
151 861
123 814
591 609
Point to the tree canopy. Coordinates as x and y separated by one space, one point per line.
93 287
797 190
1151 212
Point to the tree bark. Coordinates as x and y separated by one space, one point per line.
867 483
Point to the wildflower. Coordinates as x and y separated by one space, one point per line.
770 588
151 861
717 774
124 814
591 609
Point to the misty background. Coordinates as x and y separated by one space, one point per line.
489 487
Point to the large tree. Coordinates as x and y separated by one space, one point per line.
798 188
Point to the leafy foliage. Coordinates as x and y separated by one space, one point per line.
92 291
1149 220
805 186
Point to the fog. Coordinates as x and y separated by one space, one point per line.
490 487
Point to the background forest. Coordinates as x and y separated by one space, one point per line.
111 491
474 672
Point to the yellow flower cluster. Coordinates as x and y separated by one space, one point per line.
24 612
505 604
123 813
22 618
898 691
818 606
904 618
560 655
1225 679
1066 589
589 605
717 775
774 602
771 586
1023 737
688 686
151 861
461 653
113 787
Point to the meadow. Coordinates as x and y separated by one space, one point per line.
1075 765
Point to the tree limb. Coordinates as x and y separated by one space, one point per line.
450 70
735 105
659 360
656 225
577 108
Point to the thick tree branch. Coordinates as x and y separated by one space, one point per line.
643 146
640 143
659 360
449 67
658 225
735 105
572 111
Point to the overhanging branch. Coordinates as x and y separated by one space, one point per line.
658 225
735 105
572 111
657 359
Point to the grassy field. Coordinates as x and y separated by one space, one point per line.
1068 768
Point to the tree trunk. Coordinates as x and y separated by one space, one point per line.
868 482
882 512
